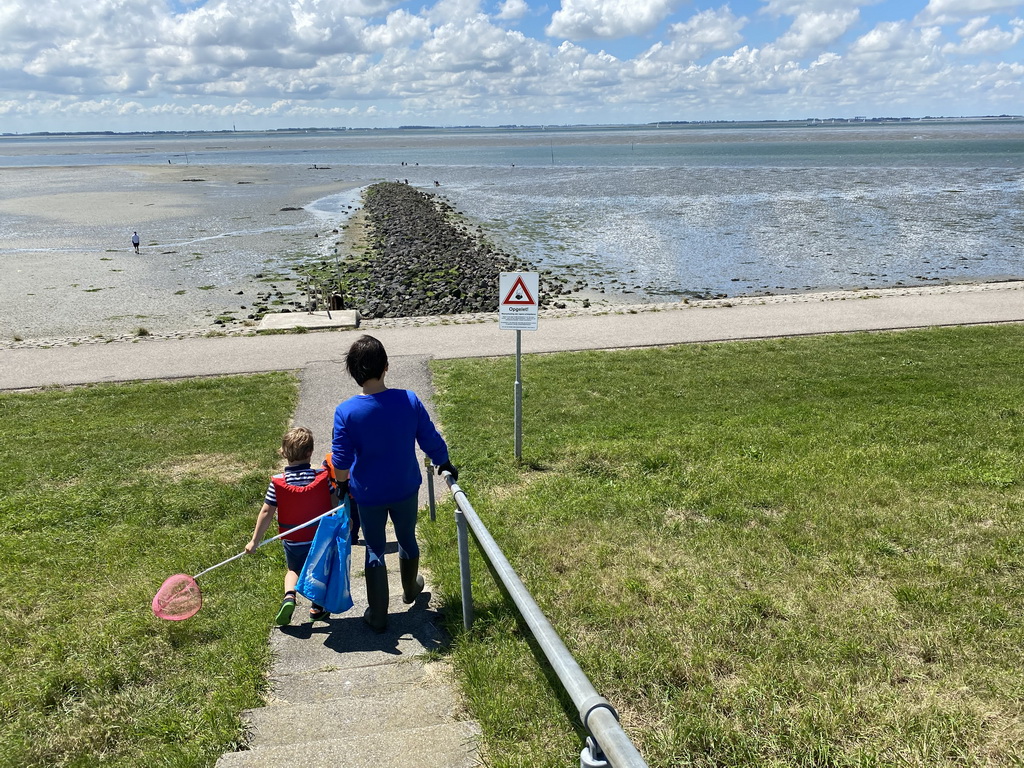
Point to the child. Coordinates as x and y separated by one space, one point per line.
296 496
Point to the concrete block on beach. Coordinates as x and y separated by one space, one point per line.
339 318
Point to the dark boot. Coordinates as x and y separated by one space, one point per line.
376 615
412 582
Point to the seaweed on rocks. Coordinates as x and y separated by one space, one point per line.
420 259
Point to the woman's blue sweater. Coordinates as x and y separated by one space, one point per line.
375 439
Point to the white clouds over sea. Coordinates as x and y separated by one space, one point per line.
258 64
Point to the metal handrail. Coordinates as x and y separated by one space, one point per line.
609 745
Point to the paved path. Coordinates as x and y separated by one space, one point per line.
342 695
994 303
186 357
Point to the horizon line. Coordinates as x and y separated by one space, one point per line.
534 126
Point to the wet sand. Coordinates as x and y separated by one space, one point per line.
213 237
206 233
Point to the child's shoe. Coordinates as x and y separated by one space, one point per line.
318 613
284 613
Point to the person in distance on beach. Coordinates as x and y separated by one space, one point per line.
374 455
135 241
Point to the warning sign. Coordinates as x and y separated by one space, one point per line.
519 294
517 301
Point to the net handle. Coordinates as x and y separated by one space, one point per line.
306 524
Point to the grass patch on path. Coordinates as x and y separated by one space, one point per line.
803 552
104 492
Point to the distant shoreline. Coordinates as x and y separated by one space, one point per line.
767 122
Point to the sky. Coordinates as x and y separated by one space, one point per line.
142 65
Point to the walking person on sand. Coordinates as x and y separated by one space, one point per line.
135 241
374 457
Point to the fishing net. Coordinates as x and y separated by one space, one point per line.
178 598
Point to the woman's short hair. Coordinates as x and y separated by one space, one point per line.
366 359
297 444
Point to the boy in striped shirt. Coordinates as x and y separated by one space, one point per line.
294 496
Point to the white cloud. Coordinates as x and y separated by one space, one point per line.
797 7
977 39
119 63
897 40
813 30
951 11
266 25
400 29
512 10
707 32
453 11
589 19
471 49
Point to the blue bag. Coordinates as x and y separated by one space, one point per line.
324 577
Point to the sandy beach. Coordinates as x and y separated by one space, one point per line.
205 231
213 237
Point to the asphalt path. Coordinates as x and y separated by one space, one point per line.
183 358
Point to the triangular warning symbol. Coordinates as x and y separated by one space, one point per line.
519 294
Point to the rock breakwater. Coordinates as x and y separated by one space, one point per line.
418 258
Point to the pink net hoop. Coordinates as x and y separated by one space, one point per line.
178 598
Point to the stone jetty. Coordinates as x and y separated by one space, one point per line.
418 258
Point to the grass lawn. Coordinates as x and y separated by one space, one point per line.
803 552
104 492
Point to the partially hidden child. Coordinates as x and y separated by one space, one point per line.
295 496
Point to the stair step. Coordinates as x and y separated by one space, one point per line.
346 641
324 684
358 594
365 715
451 745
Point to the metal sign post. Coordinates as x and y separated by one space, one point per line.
517 307
518 392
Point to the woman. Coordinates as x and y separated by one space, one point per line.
374 455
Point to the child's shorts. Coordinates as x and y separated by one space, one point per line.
295 553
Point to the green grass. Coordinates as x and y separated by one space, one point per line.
803 552
104 492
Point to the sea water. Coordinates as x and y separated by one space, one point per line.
657 212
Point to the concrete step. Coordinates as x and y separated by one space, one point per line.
369 714
450 745
321 685
345 641
357 588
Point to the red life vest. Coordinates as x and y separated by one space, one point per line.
298 504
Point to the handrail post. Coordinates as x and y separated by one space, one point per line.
467 584
431 503
591 756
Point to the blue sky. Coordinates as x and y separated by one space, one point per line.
257 64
